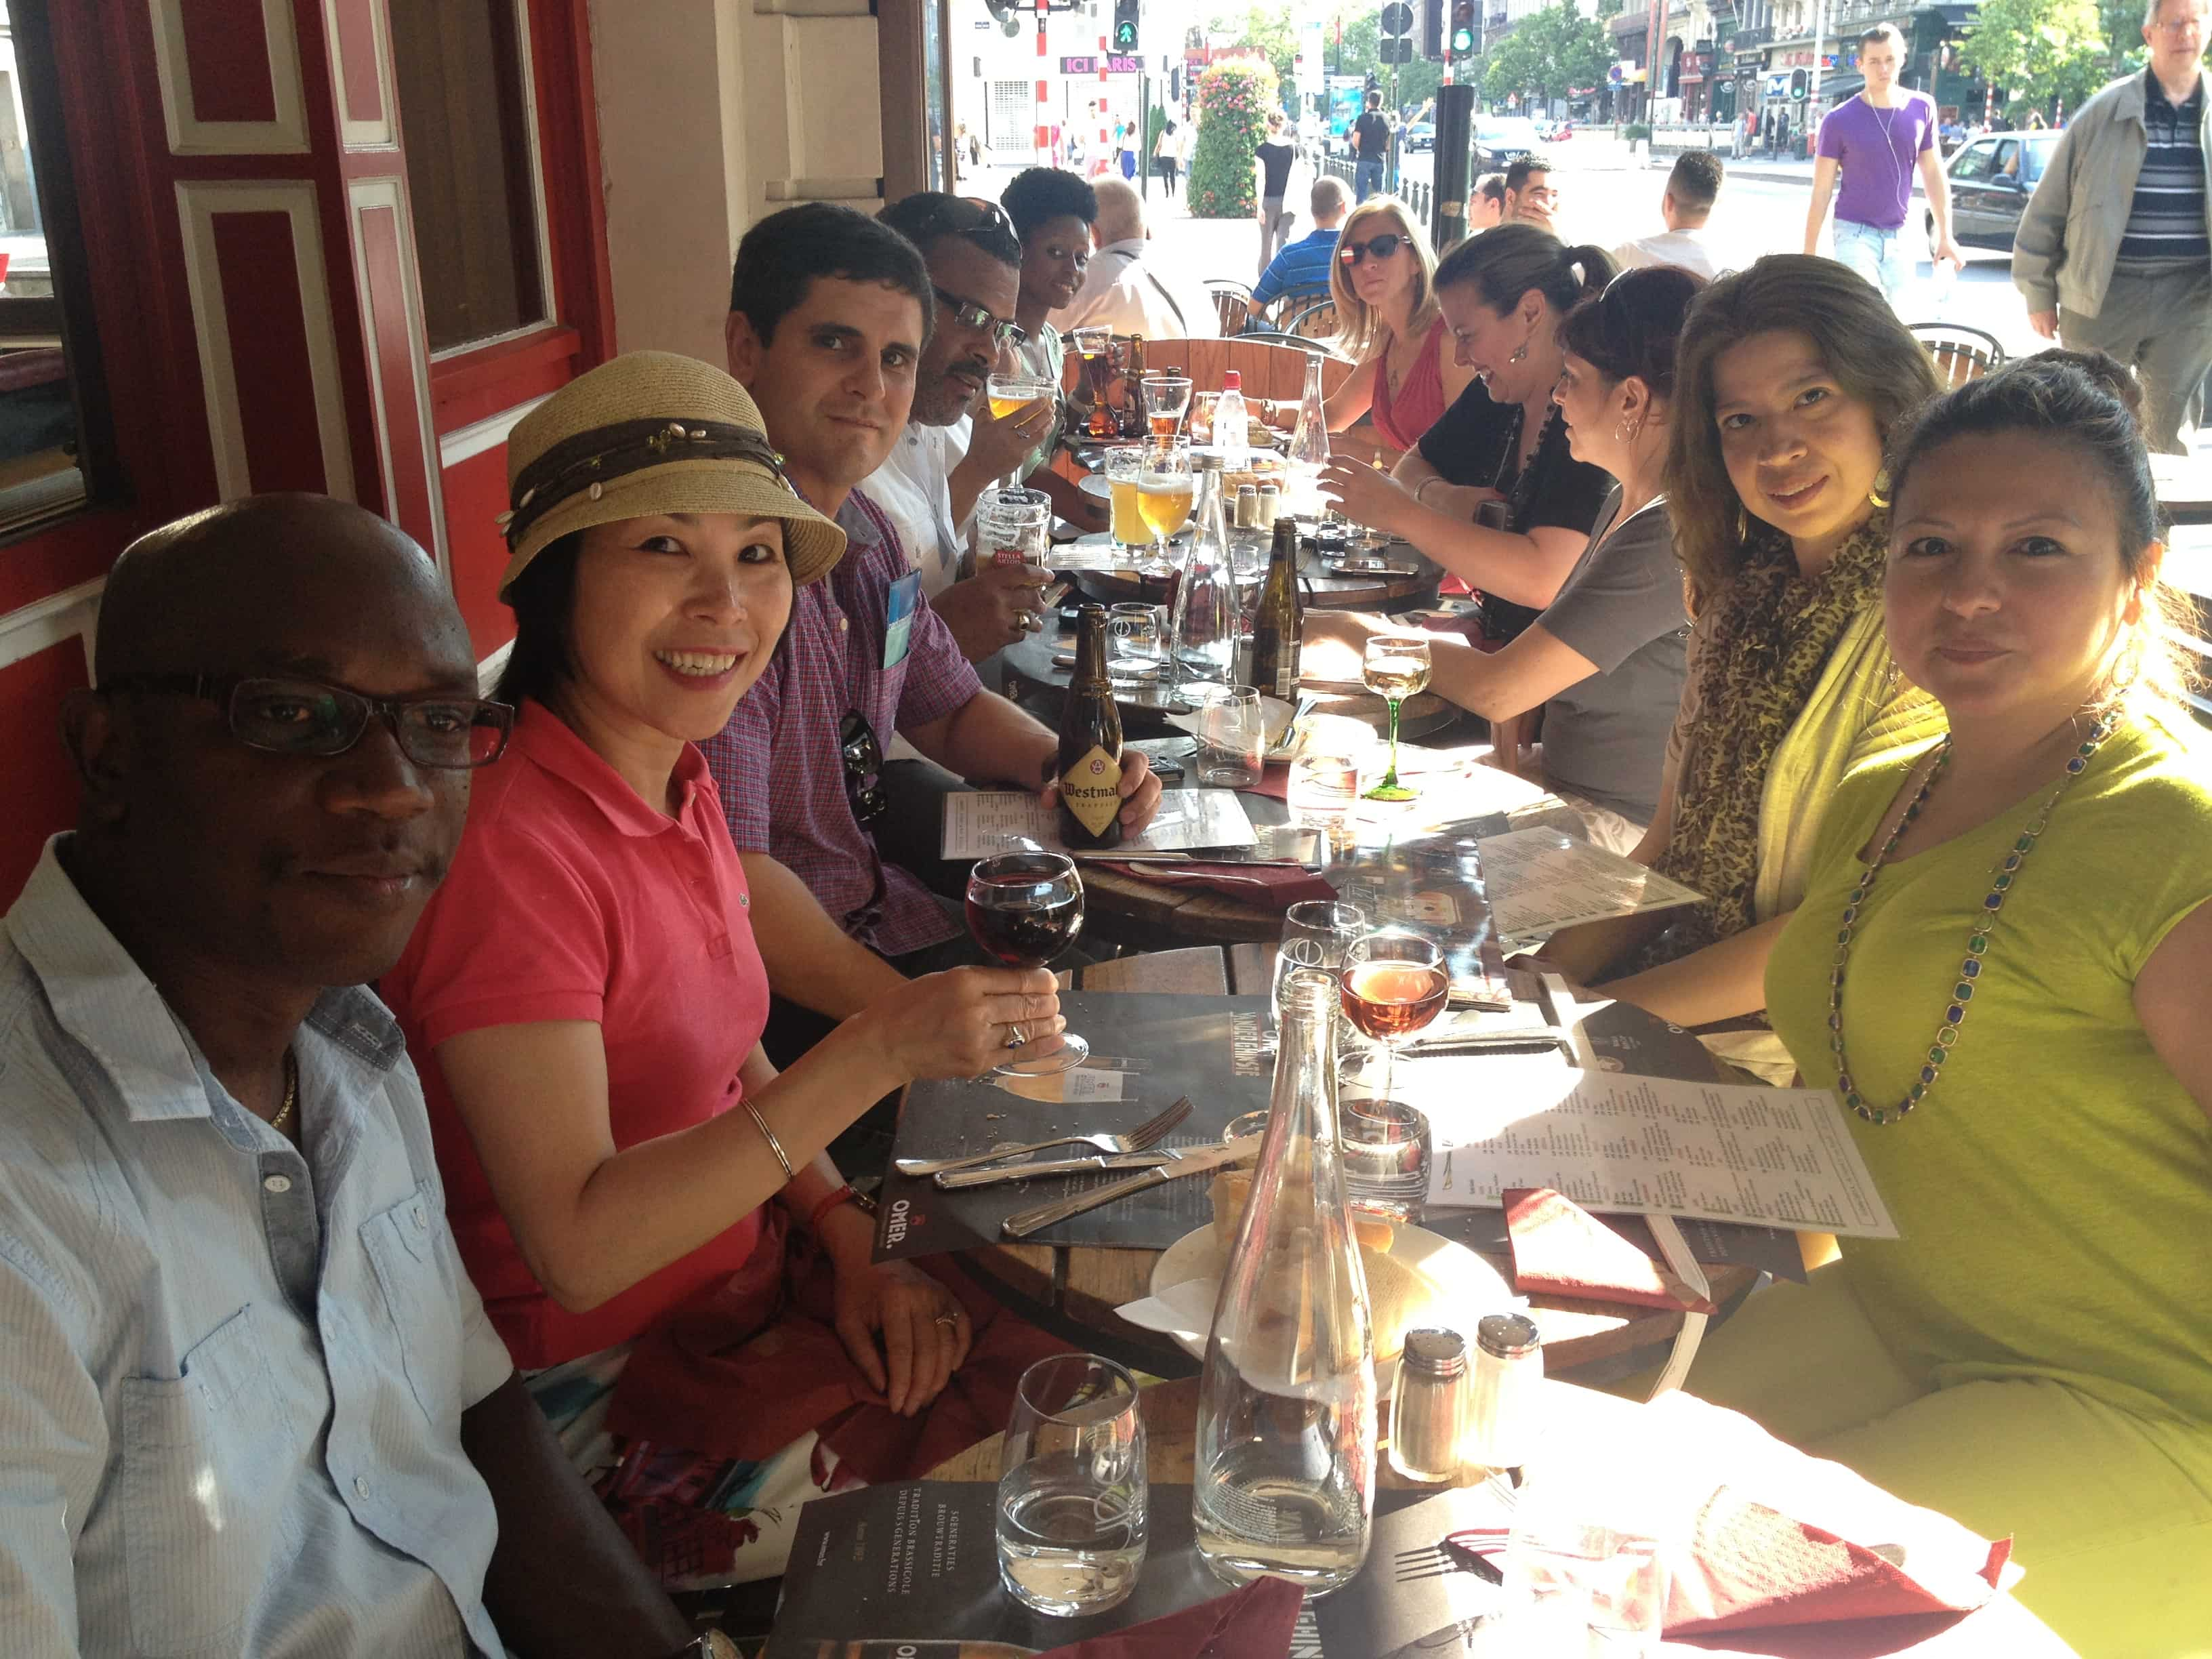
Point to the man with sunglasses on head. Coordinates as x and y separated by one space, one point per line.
953 447
249 1399
830 312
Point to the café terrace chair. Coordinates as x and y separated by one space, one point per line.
1233 303
1961 353
1317 321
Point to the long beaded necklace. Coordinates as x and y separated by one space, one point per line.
1979 935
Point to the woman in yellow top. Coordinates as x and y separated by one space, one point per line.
2000 965
1790 376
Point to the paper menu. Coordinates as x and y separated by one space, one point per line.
978 824
1777 1158
1540 881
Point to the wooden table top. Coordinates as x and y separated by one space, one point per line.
1074 1290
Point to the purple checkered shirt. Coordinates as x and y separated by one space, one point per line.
778 763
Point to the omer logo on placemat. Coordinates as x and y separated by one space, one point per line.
903 1216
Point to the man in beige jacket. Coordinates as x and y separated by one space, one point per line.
2114 252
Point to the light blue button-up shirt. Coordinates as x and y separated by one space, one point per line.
231 1371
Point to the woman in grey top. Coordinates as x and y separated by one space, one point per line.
1604 660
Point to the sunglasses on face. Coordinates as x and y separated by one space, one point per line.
307 717
966 313
864 766
1377 247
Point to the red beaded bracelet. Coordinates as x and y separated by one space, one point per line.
844 1194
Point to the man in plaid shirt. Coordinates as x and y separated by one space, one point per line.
829 311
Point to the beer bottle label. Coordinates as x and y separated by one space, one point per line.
1091 789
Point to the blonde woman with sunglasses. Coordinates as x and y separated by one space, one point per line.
1383 282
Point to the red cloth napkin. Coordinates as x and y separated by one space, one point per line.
1253 1623
1275 886
743 1369
1274 781
1559 1249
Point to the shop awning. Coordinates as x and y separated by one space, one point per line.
1839 85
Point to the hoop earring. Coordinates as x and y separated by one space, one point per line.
1742 525
1880 494
1627 431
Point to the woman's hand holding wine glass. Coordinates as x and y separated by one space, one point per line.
1023 909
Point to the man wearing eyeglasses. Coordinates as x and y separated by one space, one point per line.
1530 197
2114 252
952 445
828 310
249 1401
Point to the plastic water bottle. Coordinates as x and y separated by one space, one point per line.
1233 433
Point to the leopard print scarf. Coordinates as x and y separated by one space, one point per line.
1770 642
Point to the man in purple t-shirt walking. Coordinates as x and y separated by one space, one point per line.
1874 138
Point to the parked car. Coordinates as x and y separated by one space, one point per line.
1991 178
1499 139
1420 135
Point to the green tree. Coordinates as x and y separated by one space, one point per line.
1416 82
2123 42
2039 50
1268 32
1234 97
1551 52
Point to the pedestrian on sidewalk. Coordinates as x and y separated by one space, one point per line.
1273 160
1164 156
1876 139
2113 252
1371 138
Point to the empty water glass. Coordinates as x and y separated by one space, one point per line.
1324 790
1232 735
1072 1490
1138 632
1384 1146
1574 1587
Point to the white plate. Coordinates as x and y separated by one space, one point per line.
1468 1287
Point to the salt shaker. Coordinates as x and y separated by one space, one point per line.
1428 1419
1502 1402
1248 506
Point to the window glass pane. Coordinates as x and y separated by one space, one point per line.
40 470
466 126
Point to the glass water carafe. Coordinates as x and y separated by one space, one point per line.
1284 1481
1203 627
1309 451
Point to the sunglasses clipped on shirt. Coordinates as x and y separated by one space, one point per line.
286 716
864 766
1377 247
967 313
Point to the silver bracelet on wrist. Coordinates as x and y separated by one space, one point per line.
769 1135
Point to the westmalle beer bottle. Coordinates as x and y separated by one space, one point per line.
1278 624
1091 743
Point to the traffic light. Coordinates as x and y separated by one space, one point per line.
1432 30
1800 84
1463 29
1125 26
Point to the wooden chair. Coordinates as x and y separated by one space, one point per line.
1233 303
1961 353
1317 321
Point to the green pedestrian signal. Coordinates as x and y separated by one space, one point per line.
1125 26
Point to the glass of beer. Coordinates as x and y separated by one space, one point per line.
1164 487
1167 399
1394 666
1094 344
1011 392
1125 471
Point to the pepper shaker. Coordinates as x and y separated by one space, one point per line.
1429 1415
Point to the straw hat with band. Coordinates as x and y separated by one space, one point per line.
652 432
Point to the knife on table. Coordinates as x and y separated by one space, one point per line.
992 1174
1196 1161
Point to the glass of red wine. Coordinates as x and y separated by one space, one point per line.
1393 983
1023 909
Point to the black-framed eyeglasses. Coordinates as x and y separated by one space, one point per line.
289 716
864 767
968 313
1380 247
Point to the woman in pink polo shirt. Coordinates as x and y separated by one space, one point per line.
584 998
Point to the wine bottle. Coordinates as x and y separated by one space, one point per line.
1283 1472
1090 757
1278 624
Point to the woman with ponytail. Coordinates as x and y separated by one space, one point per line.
1504 294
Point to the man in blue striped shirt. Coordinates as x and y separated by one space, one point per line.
1300 272
249 1401
2113 252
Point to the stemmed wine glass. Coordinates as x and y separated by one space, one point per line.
1094 344
1023 909
1394 666
1393 983
1164 491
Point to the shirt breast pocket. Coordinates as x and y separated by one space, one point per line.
417 1270
209 1467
